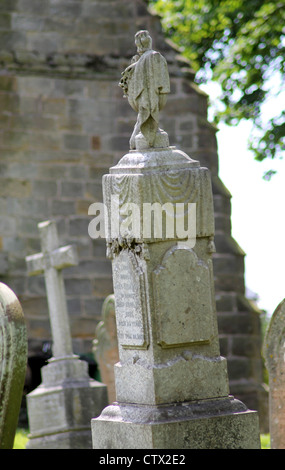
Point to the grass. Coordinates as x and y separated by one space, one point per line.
265 441
21 439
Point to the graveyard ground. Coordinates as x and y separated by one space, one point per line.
21 439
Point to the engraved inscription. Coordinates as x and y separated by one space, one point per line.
129 289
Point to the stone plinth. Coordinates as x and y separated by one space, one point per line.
61 408
206 424
171 382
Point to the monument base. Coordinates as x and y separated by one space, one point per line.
80 439
223 423
61 408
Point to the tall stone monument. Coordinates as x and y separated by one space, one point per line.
274 354
13 363
61 408
171 382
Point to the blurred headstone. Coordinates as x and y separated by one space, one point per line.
105 346
13 364
274 354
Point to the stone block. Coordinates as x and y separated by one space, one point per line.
39 328
78 226
85 327
94 191
93 306
78 287
238 368
8 83
25 23
12 39
33 122
77 172
171 382
246 346
65 382
44 42
3 264
228 264
223 223
65 9
102 286
214 424
60 207
54 106
52 172
70 88
78 142
222 205
96 142
32 7
15 187
27 206
7 225
82 207
72 189
225 302
45 189
9 102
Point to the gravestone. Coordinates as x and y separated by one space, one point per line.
274 354
105 346
171 382
13 364
60 409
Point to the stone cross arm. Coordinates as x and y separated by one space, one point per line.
50 262
59 258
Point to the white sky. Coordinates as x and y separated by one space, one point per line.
258 216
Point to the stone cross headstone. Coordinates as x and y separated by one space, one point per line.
13 364
171 382
60 409
50 262
274 354
105 346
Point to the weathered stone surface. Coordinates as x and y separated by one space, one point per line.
214 424
61 408
274 353
131 311
48 93
13 364
171 382
146 84
189 311
51 262
105 346
63 405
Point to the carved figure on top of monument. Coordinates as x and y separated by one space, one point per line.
146 84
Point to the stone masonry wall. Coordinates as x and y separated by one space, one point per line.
63 123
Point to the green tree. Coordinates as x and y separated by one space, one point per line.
240 44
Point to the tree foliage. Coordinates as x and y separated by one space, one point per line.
240 44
